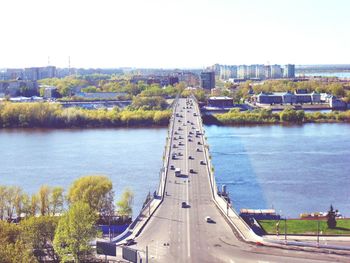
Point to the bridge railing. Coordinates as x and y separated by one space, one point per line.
240 225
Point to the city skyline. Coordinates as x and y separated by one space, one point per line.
173 34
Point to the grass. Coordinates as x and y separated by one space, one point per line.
306 227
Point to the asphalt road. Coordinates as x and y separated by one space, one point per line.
177 234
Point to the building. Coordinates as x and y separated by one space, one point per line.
289 71
208 80
36 73
287 98
100 95
260 72
220 102
276 72
242 72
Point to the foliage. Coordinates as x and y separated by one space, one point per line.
92 190
125 203
149 103
331 221
12 248
200 94
38 233
296 226
266 116
46 115
75 230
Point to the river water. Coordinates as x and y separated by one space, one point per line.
129 157
293 169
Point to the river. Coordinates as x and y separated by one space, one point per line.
129 157
291 168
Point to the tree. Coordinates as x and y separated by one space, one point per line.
56 200
44 193
74 232
125 203
34 204
12 248
92 190
331 221
39 233
3 190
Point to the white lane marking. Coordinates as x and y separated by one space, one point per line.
187 190
187 195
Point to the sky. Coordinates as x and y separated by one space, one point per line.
173 33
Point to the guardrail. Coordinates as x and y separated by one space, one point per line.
130 231
223 206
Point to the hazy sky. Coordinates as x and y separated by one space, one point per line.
173 33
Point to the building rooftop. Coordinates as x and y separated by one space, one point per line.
220 98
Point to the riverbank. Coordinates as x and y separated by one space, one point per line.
46 115
287 116
305 227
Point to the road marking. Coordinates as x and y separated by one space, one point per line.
187 195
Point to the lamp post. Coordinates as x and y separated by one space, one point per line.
285 229
318 232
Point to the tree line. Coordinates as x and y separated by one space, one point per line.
266 116
55 226
48 115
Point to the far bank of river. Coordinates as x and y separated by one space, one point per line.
294 169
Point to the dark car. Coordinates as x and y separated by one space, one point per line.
183 205
130 242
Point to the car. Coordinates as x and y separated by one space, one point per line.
172 167
180 137
202 163
199 143
184 124
175 132
198 150
192 171
190 157
179 154
190 132
208 219
183 204
129 242
189 139
175 138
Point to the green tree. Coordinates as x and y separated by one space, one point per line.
92 190
12 248
331 215
125 203
3 190
75 230
39 233
34 204
44 193
56 200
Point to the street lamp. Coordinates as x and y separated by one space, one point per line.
285 229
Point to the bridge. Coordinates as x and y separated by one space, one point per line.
189 222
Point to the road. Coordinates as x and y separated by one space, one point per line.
182 234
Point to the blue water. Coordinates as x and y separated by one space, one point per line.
327 74
129 157
293 169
